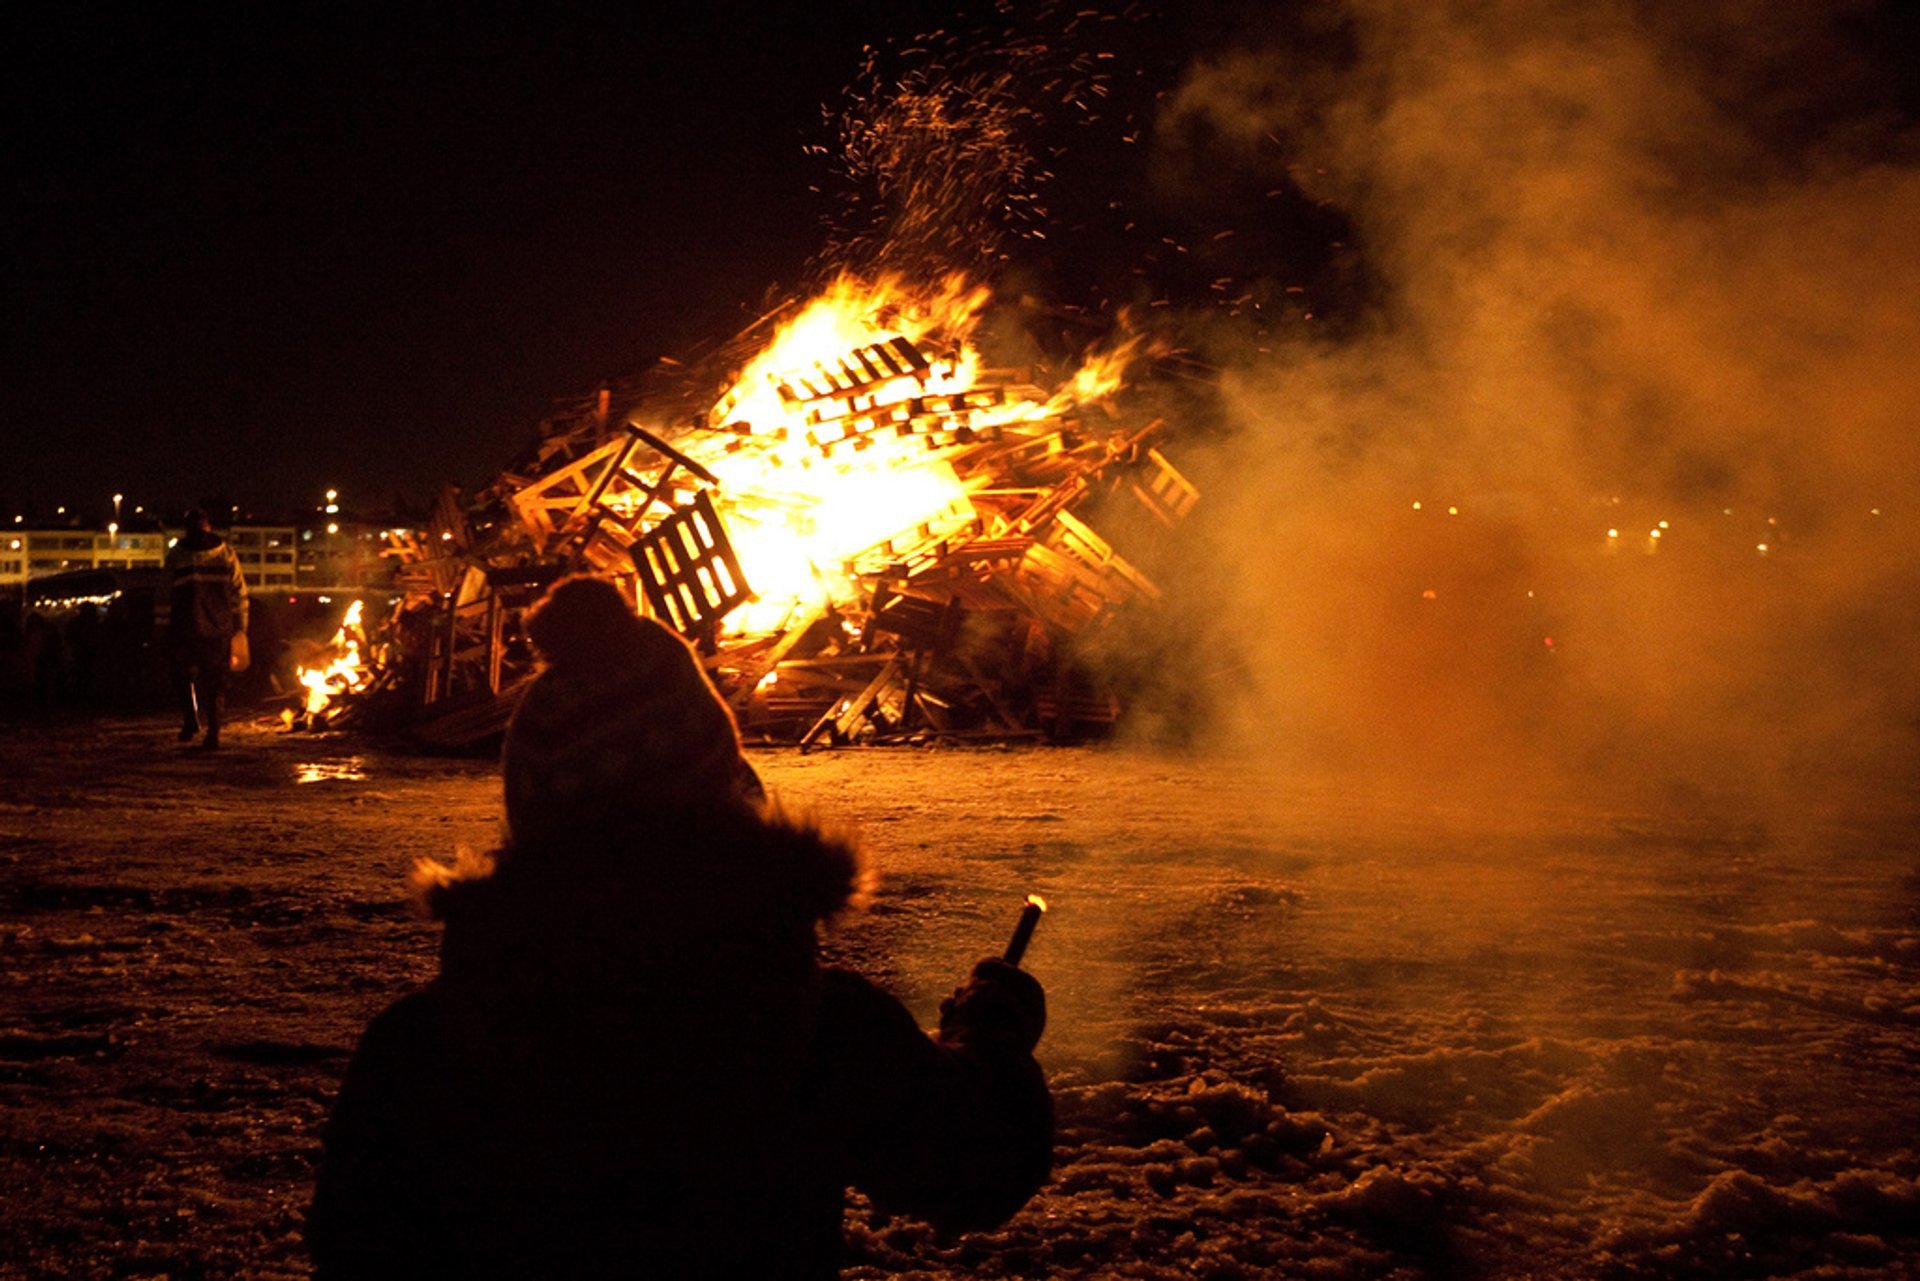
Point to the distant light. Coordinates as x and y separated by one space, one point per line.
1529 595
1548 640
1613 533
1416 506
1664 525
446 536
333 508
1653 533
14 546
333 529
66 602
332 495
1726 511
1873 511
1773 520
59 511
172 541
1763 549
325 600
1429 594
1453 511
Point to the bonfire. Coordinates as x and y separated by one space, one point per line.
871 535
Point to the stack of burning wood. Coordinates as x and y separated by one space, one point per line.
870 536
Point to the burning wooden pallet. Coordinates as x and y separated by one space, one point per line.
875 540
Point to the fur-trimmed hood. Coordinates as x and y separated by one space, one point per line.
736 887
631 1062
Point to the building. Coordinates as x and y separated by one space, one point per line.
13 561
340 554
266 552
39 551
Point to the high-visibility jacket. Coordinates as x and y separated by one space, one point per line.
208 592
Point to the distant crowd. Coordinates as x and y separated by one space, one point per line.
111 658
83 657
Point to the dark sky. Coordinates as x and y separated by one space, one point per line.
266 249
259 252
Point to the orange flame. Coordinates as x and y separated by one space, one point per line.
344 672
812 444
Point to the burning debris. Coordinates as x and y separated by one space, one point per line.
340 668
870 535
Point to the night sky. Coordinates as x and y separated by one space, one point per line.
253 254
287 247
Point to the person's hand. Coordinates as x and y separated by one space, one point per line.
999 1006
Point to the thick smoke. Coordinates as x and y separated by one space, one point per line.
1629 269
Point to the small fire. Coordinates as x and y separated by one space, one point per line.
345 672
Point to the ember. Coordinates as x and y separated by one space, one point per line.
872 536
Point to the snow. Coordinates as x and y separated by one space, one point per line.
1300 1025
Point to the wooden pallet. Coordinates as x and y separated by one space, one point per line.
1073 579
688 570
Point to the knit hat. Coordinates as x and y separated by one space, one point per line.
621 725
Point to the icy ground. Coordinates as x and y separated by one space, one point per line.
1299 1027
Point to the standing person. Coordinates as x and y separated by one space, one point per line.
208 596
632 1063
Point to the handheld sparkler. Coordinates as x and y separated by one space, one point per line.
1023 932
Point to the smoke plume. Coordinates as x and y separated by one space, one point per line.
1631 272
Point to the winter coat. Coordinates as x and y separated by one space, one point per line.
631 1064
208 595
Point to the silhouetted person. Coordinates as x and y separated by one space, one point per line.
83 643
119 654
46 654
208 595
631 1063
16 676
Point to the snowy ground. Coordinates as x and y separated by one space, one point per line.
1299 1027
